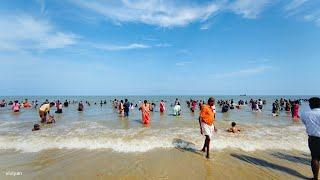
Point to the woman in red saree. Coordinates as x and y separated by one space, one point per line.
162 107
145 112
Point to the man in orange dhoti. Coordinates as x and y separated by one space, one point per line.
145 112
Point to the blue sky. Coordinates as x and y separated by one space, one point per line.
159 47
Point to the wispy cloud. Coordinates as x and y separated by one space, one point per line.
110 47
248 8
42 4
294 4
24 32
243 72
183 63
149 39
157 12
313 17
163 45
205 26
304 9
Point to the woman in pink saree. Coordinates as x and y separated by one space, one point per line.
145 112
295 110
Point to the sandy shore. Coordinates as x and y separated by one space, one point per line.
174 163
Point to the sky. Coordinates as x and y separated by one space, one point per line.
159 47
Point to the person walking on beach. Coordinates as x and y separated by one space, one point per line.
207 127
311 119
145 112
44 109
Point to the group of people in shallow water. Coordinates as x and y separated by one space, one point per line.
124 107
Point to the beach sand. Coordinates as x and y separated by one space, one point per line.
176 163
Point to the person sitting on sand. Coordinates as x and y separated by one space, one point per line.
36 127
233 129
51 119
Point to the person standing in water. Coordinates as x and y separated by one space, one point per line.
121 110
145 112
162 106
126 107
311 119
206 120
295 109
44 109
16 106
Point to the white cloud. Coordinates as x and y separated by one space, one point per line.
205 26
243 72
294 4
183 63
313 17
304 9
248 8
149 39
163 45
23 32
157 12
110 47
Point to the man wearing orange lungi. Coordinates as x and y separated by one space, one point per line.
206 121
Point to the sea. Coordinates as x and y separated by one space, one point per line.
101 129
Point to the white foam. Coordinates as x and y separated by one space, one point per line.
146 139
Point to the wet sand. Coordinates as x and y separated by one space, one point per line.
173 163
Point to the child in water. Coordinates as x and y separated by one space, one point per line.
36 127
51 119
233 129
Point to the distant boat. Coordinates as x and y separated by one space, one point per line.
243 95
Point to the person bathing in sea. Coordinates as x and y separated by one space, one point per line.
233 128
145 112
274 113
51 119
16 106
36 127
44 109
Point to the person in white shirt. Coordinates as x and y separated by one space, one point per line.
311 119
177 110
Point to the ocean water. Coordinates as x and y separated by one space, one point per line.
101 128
